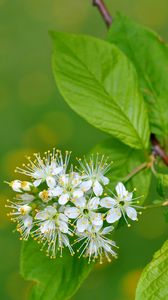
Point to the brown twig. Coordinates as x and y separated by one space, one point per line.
158 150
103 11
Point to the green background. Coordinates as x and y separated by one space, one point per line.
34 117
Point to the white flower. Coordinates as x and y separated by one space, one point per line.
26 186
95 244
24 226
46 168
85 213
19 209
24 209
75 207
16 185
20 186
45 196
20 214
51 182
53 228
26 197
93 172
122 204
68 188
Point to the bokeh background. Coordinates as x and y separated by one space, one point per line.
34 117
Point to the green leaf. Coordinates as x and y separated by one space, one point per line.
56 279
154 279
100 84
162 184
126 159
149 55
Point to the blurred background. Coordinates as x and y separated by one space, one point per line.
34 117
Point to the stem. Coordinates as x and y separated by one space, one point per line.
103 11
165 203
157 149
136 170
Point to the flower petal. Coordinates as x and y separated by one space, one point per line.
26 186
50 210
57 191
75 179
93 203
41 215
63 179
121 190
63 227
47 226
108 202
26 197
37 182
78 194
97 188
113 215
131 213
86 185
24 209
16 185
63 199
28 221
107 230
50 182
72 212
96 219
105 180
80 202
65 240
96 228
128 197
82 224
92 248
56 170
63 218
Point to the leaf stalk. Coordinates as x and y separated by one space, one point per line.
136 170
103 11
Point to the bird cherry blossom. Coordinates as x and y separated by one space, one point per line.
85 213
53 230
20 214
60 207
20 186
68 188
122 204
93 174
45 168
95 244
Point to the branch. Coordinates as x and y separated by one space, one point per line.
103 11
157 149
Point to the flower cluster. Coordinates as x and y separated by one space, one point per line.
65 207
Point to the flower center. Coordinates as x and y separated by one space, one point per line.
122 203
23 211
85 211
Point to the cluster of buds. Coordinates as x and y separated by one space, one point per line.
61 206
